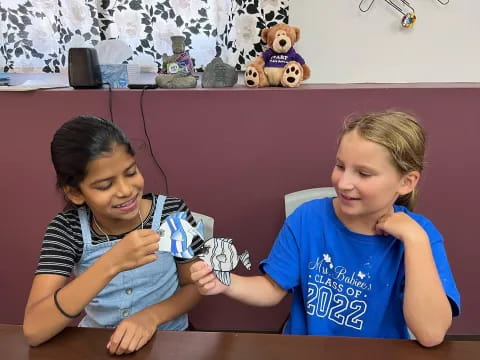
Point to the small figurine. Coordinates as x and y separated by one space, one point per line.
177 69
222 256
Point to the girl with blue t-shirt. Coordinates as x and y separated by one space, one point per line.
108 239
362 263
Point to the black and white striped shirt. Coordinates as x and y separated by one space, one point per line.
63 243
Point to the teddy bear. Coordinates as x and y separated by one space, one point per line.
279 65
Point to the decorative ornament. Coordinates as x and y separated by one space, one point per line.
409 17
365 5
408 20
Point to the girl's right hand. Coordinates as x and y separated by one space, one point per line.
205 280
135 249
401 226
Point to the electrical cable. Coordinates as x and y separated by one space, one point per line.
150 144
110 99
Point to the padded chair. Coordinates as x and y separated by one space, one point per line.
297 198
207 224
207 234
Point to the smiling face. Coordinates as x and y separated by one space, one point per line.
366 181
112 189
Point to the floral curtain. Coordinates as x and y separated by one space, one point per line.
35 35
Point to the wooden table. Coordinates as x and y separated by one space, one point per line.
89 344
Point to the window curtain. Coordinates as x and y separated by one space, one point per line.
35 35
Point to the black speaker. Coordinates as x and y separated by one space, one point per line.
83 69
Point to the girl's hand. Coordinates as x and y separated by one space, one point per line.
132 333
205 280
135 249
399 225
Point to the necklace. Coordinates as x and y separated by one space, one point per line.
104 233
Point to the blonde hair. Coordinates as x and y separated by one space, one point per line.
400 134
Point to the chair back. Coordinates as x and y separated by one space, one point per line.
297 198
207 224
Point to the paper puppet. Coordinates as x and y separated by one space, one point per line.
222 256
176 235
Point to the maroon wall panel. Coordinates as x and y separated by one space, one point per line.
233 154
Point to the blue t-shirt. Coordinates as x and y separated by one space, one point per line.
345 283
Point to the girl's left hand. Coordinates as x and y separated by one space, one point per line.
132 333
399 225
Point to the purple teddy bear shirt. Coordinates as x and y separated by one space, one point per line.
274 59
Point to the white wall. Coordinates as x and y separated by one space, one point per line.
341 44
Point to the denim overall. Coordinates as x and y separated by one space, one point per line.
129 291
